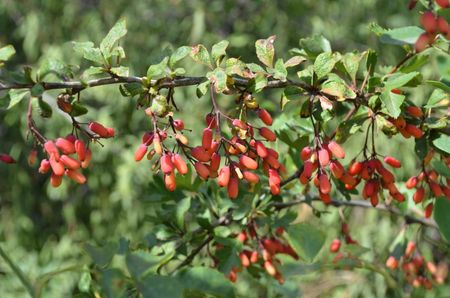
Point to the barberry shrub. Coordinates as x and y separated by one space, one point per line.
235 184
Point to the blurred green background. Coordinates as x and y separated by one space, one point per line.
43 229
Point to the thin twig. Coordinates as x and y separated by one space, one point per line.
192 255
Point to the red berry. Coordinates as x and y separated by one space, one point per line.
76 176
267 134
429 22
355 168
245 261
67 147
44 167
178 124
51 149
140 152
210 120
85 163
170 181
99 129
418 195
55 180
306 153
70 162
261 150
57 167
166 164
270 268
324 184
336 149
443 25
224 176
179 164
392 263
428 210
201 170
443 3
233 187
207 138
414 111
335 245
265 117
392 162
250 177
412 182
422 42
324 157
5 158
248 162
337 169
239 123
80 149
200 154
435 189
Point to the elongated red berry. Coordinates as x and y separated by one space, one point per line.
233 187
80 149
337 169
55 180
250 177
69 162
443 3
200 154
355 168
412 182
210 121
414 111
428 21
418 195
76 176
392 162
270 268
179 164
265 117
166 164
261 150
392 263
201 170
57 167
306 153
267 134
324 184
248 162
336 149
44 166
85 163
99 129
170 181
245 261
240 124
67 147
140 152
224 176
5 158
324 157
178 124
422 42
207 138
51 149
435 189
335 245
443 25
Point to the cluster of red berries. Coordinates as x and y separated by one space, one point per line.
405 124
433 25
243 153
376 178
66 156
428 178
417 271
264 256
316 161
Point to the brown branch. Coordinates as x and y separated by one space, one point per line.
399 64
192 255
362 204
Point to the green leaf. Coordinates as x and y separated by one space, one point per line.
436 99
260 82
349 127
140 263
351 64
439 85
324 64
16 96
306 240
78 109
371 61
392 103
400 79
120 71
235 66
294 61
219 78
54 66
158 286
103 255
200 55
421 147
443 143
207 280
87 50
202 88
178 55
265 50
182 207
117 32
315 45
280 71
85 281
157 70
335 86
45 109
441 168
6 53
401 36
441 212
218 51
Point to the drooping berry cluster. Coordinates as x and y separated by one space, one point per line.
433 25
417 271
427 185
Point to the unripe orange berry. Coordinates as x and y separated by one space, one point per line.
76 176
179 164
170 181
157 144
335 245
55 180
248 162
270 268
244 259
233 187
392 263
67 147
70 162
267 134
392 162
224 176
182 139
201 170
140 152
265 117
418 195
336 149
250 177
207 138
87 160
